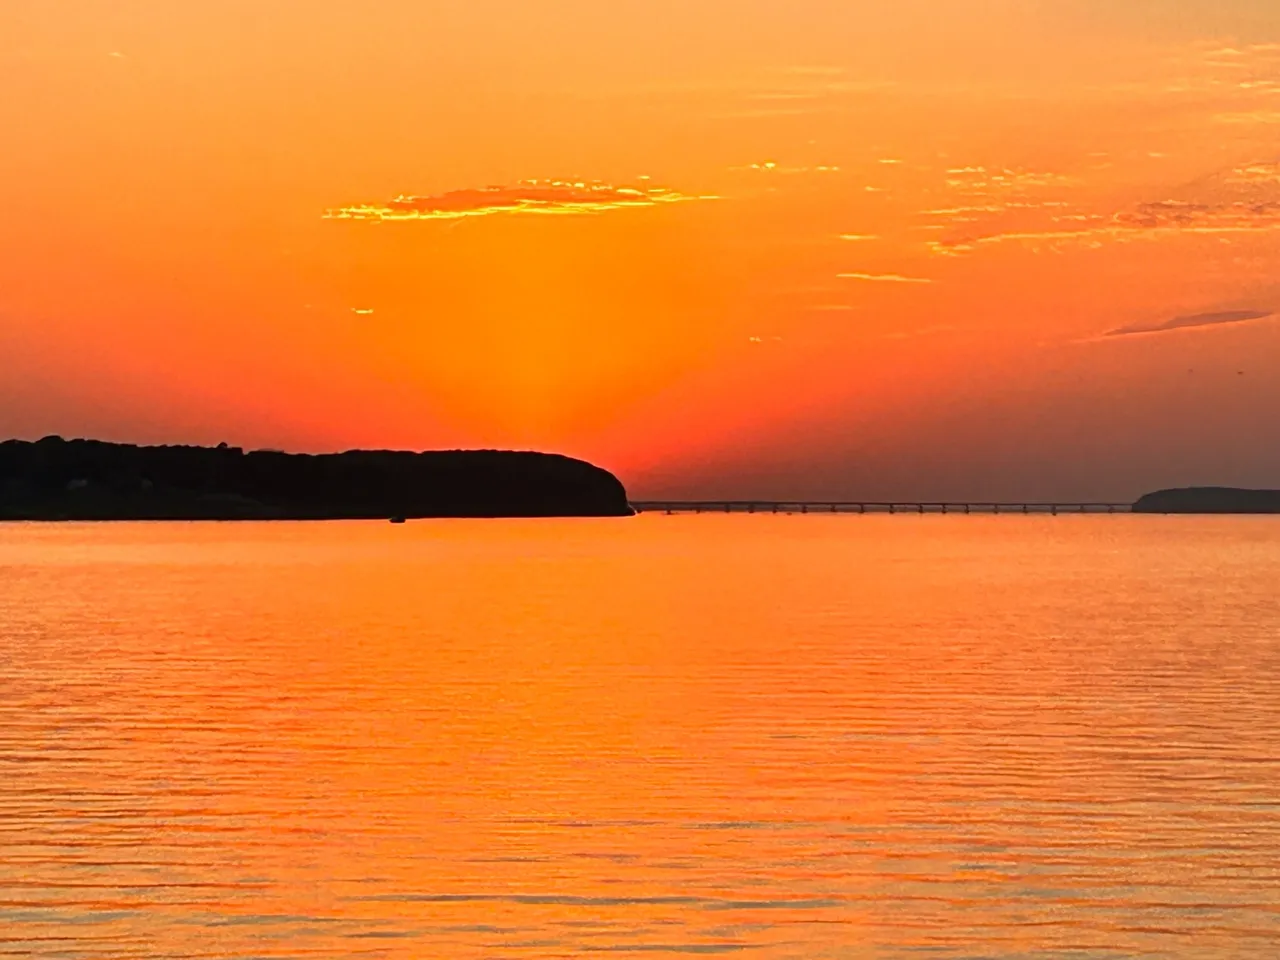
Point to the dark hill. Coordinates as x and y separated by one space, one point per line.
1209 500
56 479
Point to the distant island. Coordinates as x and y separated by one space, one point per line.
1209 500
57 479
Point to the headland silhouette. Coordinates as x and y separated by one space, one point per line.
57 479
1209 500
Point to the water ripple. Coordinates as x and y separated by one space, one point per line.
796 738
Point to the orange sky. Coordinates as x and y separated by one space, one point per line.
817 248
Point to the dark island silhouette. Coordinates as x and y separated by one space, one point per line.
56 479
1209 500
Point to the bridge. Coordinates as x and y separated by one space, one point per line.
865 507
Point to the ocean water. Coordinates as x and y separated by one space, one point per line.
785 737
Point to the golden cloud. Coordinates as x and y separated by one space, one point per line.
545 197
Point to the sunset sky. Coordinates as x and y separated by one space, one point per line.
815 248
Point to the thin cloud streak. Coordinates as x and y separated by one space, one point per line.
1197 320
882 278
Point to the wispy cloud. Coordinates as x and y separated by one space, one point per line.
1149 224
1194 320
959 213
546 197
1241 201
770 166
1255 174
1247 57
1252 117
814 71
882 278
1233 217
1003 180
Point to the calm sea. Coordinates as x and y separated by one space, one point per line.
789 737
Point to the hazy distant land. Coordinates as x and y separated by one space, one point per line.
1209 500
56 479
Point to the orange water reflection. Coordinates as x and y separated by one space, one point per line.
798 736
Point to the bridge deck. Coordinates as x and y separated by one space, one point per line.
869 506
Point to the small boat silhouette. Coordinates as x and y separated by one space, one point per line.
397 519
